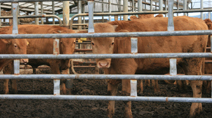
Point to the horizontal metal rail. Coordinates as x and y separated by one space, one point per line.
115 98
136 13
107 76
116 34
35 16
28 0
142 12
93 56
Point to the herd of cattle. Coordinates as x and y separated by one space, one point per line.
110 45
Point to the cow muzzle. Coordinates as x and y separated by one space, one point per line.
103 64
24 61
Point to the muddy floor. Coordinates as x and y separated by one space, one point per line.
93 109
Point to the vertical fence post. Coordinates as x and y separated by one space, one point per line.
53 20
79 12
66 14
173 66
125 9
150 5
185 7
36 13
173 62
90 12
41 12
133 83
102 10
140 7
161 5
109 9
56 51
133 5
170 16
201 7
15 31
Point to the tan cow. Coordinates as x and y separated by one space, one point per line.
45 46
161 44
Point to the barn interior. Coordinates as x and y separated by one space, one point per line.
73 14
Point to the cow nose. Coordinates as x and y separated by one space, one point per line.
103 65
24 61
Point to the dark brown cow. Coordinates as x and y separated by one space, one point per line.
45 46
162 44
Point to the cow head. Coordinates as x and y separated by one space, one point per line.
67 46
103 45
16 46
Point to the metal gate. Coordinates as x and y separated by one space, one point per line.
173 71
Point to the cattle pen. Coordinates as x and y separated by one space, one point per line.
134 49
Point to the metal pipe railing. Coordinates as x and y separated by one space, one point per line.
35 16
107 76
28 0
136 13
115 34
93 56
115 98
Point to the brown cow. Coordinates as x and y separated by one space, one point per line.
12 46
45 46
148 82
207 70
144 16
162 44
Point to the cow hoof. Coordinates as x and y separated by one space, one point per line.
128 114
110 113
196 108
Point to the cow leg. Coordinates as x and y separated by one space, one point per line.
208 88
147 83
34 70
6 88
112 90
156 86
141 87
179 85
197 93
126 89
194 68
9 70
54 65
66 85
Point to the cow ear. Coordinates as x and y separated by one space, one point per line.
6 41
115 26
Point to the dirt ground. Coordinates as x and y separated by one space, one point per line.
93 109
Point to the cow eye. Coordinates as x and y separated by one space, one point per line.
112 43
15 45
92 43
